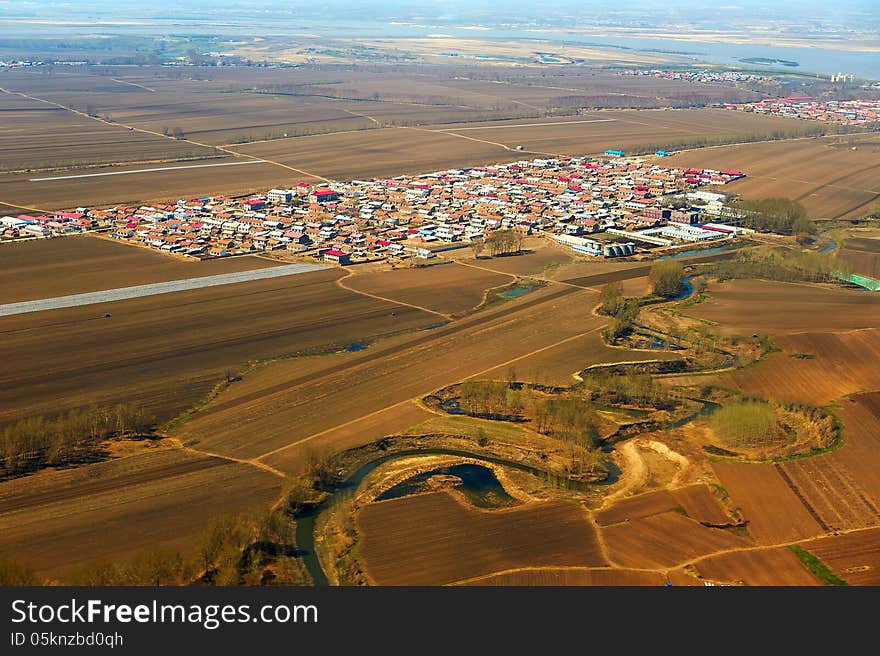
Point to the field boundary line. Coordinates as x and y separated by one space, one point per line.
545 568
414 400
153 170
351 274
527 125
159 134
24 207
133 84
527 277
241 461
491 143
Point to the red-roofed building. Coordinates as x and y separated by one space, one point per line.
339 257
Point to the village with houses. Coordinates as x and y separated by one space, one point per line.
704 76
843 112
608 207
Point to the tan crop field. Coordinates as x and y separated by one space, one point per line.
832 493
380 153
34 131
445 288
538 256
774 566
760 306
862 254
694 501
559 364
664 540
624 129
701 504
400 548
813 368
169 350
279 411
854 557
642 505
46 268
772 509
194 181
110 511
825 174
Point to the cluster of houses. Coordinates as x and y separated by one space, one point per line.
845 112
703 76
415 216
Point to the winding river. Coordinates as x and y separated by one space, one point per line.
305 522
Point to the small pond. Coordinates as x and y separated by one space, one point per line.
478 483
516 292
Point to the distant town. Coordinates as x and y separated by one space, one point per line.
844 112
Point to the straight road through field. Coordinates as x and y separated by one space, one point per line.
122 293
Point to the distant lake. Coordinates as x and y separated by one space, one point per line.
809 59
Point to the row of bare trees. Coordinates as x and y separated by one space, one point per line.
75 436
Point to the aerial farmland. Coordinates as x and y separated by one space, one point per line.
436 323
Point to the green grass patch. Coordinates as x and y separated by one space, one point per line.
680 510
721 490
474 428
816 567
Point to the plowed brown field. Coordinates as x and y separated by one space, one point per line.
760 306
664 541
854 557
55 520
432 539
446 288
775 566
773 511
169 350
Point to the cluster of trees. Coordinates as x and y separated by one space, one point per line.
568 418
75 436
787 266
780 215
666 277
232 550
505 242
630 389
623 311
247 549
746 424
494 399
